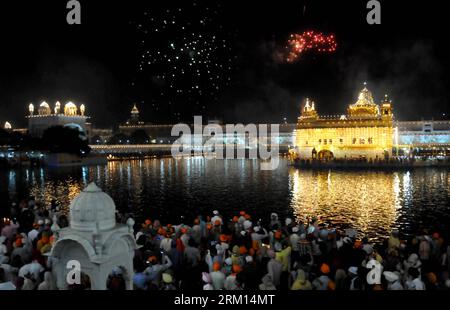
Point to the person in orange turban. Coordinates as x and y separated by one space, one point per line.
216 266
325 269
161 232
277 235
242 250
153 260
236 268
331 285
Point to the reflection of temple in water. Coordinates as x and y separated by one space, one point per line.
367 201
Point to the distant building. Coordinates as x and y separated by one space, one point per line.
71 116
424 137
158 133
366 131
100 135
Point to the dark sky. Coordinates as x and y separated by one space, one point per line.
96 63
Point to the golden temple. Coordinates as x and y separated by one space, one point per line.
365 132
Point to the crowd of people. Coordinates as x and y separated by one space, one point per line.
237 253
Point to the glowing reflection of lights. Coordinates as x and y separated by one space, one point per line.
84 174
407 189
364 201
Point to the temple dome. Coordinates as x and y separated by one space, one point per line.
134 110
92 209
365 97
70 109
364 106
44 109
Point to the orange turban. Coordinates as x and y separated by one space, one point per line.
242 250
236 268
223 238
325 269
277 234
161 232
216 266
331 285
431 278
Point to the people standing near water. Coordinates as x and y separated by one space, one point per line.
235 252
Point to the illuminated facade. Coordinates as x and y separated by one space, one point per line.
366 131
425 137
72 116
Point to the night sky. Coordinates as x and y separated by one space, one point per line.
176 59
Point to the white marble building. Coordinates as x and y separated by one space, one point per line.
95 240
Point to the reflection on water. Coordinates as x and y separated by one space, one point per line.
369 201
373 202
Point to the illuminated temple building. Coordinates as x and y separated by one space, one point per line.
366 131
69 116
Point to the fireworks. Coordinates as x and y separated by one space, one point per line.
187 55
309 41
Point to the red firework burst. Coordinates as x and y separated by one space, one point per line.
309 41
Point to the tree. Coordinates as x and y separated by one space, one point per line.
96 140
119 138
139 137
59 139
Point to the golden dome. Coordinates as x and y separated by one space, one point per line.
44 109
70 109
365 98
364 106
134 110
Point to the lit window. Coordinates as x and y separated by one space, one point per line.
370 140
354 140
324 141
341 141
331 141
362 141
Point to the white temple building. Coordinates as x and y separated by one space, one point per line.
69 116
95 240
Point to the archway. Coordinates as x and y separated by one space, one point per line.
325 155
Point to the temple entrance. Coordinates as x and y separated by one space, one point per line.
325 155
